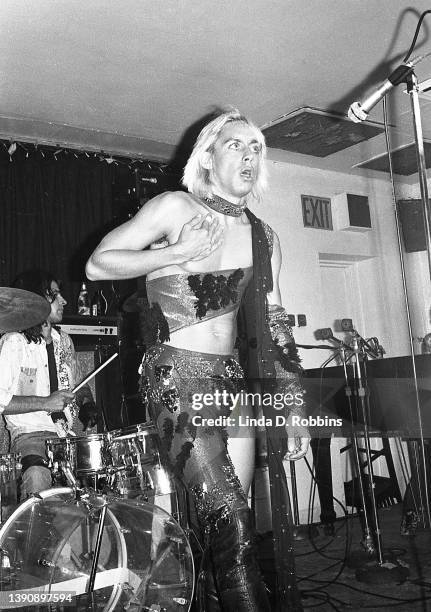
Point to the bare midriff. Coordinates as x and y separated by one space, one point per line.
216 335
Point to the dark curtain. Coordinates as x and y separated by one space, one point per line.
53 213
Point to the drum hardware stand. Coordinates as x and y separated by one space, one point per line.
67 471
95 557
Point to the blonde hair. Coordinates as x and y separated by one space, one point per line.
197 179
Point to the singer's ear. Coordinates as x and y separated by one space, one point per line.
206 160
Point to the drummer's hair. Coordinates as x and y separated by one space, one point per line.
37 281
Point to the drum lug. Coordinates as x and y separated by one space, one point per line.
5 559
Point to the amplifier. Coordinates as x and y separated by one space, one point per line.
89 330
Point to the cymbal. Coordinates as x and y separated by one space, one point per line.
20 309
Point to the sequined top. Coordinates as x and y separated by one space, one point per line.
187 299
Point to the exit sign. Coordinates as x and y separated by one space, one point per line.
316 212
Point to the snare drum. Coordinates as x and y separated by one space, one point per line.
138 465
87 455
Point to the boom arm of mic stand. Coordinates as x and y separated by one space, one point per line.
316 346
336 349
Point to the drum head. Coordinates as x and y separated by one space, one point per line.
48 546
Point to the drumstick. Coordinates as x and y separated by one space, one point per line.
92 374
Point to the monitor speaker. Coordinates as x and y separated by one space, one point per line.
411 216
351 212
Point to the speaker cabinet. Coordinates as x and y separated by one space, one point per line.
351 212
116 387
412 221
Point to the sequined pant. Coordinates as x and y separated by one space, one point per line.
178 386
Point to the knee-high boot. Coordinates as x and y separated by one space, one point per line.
207 598
238 580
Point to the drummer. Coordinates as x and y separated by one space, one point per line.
38 368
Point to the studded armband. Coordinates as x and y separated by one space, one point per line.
282 336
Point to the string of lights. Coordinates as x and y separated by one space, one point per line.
27 149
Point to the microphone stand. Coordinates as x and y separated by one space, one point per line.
413 89
367 542
299 532
302 532
362 393
372 542
372 572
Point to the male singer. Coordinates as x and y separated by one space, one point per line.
38 369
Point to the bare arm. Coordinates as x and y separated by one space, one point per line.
275 296
20 404
298 436
190 237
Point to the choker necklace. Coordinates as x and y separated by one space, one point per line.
224 206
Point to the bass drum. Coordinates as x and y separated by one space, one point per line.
47 546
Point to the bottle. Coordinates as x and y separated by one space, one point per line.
98 304
83 301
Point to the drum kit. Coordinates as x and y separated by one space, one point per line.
107 536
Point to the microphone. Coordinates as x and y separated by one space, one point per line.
358 111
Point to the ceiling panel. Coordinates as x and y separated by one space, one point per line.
314 132
137 75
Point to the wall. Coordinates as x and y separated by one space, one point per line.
369 263
374 254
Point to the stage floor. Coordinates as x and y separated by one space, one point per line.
328 583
